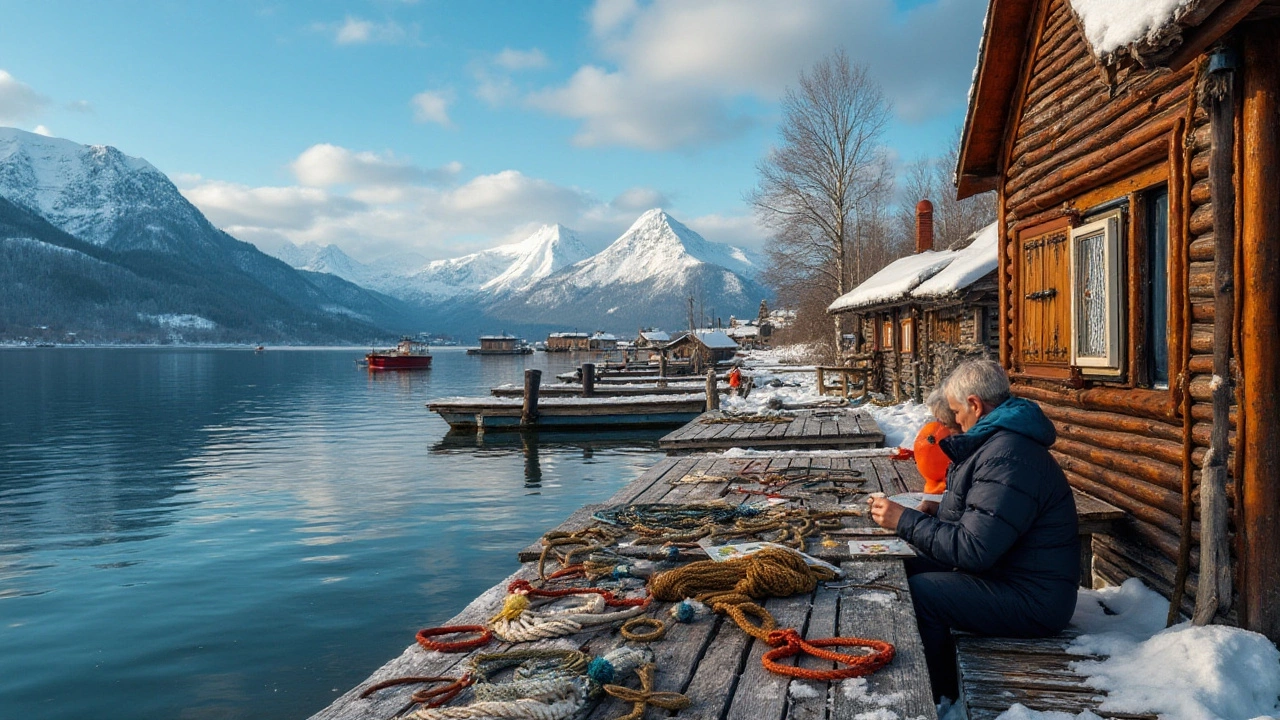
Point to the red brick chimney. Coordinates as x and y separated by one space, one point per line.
924 226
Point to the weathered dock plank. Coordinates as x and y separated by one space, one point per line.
829 429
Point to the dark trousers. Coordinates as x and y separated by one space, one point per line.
947 599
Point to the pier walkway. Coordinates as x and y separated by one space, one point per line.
834 428
710 660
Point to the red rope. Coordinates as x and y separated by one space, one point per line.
570 571
523 587
425 635
902 454
788 643
441 695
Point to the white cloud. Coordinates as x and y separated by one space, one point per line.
325 165
42 130
639 199
18 102
432 106
358 31
676 67
510 59
82 106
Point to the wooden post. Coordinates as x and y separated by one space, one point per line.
915 382
529 414
662 364
713 393
1260 389
1213 591
844 384
588 379
822 381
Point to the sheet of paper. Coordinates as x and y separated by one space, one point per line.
889 547
720 553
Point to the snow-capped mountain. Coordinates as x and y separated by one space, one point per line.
98 194
155 255
496 271
645 277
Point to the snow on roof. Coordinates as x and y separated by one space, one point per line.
926 274
1110 25
743 331
568 335
894 280
970 265
715 339
655 336
604 336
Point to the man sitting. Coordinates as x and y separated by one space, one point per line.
999 555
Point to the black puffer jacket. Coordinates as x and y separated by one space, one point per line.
1008 513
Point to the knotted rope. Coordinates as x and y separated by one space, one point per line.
732 587
516 622
644 697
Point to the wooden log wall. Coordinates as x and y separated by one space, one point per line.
1075 134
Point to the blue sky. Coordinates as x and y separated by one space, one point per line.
387 126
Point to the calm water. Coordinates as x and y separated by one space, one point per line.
217 533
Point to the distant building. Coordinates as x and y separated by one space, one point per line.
652 339
702 347
602 341
568 342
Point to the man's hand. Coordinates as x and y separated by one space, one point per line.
885 513
928 507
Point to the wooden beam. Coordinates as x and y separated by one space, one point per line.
1212 29
1260 391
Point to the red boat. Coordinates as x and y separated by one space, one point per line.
408 355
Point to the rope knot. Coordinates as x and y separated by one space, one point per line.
601 670
788 637
512 608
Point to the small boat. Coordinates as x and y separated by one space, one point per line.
407 355
491 414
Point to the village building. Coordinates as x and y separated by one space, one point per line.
602 342
568 342
702 348
1135 154
914 321
651 339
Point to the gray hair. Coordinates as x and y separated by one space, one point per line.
937 404
984 378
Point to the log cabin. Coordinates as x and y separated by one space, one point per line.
917 318
702 348
1135 153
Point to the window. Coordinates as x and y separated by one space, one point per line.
886 335
1156 236
1043 312
908 344
1095 296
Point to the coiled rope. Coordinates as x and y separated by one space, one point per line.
732 587
644 697
517 622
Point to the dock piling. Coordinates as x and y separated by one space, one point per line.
532 380
713 393
588 379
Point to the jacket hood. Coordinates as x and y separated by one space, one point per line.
1016 414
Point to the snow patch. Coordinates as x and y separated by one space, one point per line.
1022 712
1183 672
179 322
803 691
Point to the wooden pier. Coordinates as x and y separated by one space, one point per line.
710 660
553 390
820 428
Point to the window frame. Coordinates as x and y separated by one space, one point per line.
907 336
1111 362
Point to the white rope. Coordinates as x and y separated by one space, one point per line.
546 624
563 699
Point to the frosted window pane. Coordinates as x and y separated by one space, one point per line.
1091 294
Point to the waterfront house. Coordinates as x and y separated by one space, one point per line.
702 348
1135 154
602 342
917 318
568 342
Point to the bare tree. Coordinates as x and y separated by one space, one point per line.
827 168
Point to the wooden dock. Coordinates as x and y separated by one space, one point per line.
555 390
492 414
824 428
711 660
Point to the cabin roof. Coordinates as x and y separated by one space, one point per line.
571 335
497 337
926 275
656 336
713 339
1149 32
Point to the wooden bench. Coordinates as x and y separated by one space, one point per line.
995 673
1095 517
